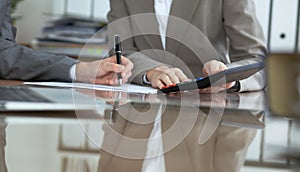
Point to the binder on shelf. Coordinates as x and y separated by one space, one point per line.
82 38
75 37
284 29
77 30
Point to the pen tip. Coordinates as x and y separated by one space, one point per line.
120 81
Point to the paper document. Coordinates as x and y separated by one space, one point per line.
128 88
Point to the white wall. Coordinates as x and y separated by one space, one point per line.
31 148
263 14
36 13
34 17
32 144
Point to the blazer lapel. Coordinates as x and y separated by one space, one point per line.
184 11
146 25
179 9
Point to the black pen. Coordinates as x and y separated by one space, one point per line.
118 50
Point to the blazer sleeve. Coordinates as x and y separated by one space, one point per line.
22 63
246 41
119 23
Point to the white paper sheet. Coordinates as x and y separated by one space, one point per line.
128 88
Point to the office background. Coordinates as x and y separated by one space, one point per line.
279 18
47 10
282 15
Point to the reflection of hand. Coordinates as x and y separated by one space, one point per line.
103 71
214 100
152 98
108 96
163 75
212 67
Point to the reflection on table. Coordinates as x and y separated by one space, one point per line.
206 132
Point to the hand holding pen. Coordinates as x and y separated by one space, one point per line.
118 50
103 71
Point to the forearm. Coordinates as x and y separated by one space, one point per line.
22 63
247 43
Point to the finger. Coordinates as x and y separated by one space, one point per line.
127 70
209 70
172 76
222 67
204 71
228 85
182 77
213 71
114 80
212 67
211 89
126 77
165 79
157 84
126 74
126 62
109 79
111 67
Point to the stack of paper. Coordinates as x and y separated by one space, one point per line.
128 88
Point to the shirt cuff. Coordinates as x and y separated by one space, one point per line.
145 80
73 72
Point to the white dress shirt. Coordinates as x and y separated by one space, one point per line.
73 72
155 147
162 9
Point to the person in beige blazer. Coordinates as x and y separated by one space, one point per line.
227 34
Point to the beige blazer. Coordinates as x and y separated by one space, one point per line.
199 31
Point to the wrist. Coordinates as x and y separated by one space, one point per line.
80 72
149 74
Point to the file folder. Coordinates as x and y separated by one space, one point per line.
284 26
228 75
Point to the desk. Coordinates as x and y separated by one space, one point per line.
63 143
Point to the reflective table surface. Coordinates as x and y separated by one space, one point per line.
188 132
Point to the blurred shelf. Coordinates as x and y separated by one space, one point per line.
75 50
